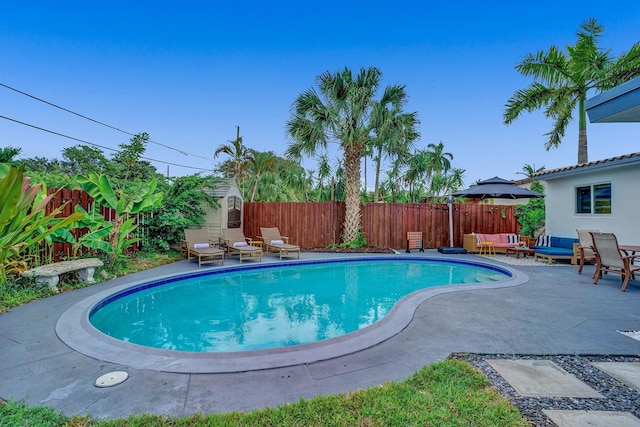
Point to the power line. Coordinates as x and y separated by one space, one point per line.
96 145
97 121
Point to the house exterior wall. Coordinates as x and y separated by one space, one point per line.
560 203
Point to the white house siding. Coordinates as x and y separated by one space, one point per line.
561 217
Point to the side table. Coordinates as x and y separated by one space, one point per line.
519 250
487 248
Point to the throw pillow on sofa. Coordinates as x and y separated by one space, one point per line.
543 241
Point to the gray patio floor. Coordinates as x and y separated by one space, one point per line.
556 312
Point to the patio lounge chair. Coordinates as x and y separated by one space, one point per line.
199 247
609 259
274 242
237 244
586 247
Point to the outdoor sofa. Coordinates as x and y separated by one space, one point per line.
552 248
501 241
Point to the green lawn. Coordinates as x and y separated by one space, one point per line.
449 393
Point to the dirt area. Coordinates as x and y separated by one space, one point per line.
362 250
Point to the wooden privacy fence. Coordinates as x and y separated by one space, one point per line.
384 224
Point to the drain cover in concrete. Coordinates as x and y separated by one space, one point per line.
111 379
625 372
591 418
541 378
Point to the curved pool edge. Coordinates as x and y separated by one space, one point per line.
75 330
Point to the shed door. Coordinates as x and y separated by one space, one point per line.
234 217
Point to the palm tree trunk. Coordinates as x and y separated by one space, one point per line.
352 158
583 156
255 186
376 191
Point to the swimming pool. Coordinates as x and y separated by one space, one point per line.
274 306
390 309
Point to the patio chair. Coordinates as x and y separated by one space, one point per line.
586 247
274 242
198 246
609 259
237 244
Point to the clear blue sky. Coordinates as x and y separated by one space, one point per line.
188 73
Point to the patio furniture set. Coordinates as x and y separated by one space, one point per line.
234 243
609 256
590 246
548 248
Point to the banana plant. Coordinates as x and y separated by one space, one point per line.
24 223
125 204
98 233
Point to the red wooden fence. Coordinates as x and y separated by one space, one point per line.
318 224
384 224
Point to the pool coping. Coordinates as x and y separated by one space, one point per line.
75 330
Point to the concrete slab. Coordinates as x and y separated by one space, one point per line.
541 378
269 388
556 312
591 418
625 372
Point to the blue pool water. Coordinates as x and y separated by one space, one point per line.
272 306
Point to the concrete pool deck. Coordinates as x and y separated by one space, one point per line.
556 312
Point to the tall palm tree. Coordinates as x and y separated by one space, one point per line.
238 154
439 160
446 184
395 130
419 167
324 173
340 111
528 170
562 80
258 163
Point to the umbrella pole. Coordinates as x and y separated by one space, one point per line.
449 205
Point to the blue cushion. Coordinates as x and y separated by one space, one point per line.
567 242
554 251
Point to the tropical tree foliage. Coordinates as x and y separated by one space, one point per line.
184 205
24 223
339 111
529 170
238 153
8 154
127 165
126 206
562 81
83 159
395 131
259 163
531 216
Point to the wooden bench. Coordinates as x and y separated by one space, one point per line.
50 274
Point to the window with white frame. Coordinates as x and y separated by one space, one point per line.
593 199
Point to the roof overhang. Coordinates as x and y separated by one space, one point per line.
617 105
